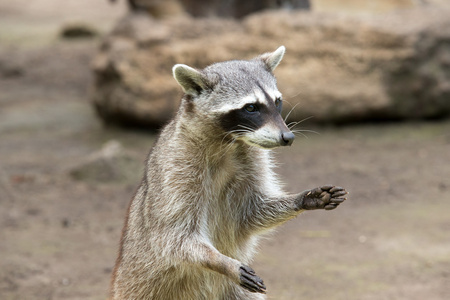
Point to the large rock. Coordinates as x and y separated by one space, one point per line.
338 68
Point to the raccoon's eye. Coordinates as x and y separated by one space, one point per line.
278 102
251 108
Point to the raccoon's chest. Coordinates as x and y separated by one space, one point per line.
228 195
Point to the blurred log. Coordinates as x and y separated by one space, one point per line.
338 68
211 8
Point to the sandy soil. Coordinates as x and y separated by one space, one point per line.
59 236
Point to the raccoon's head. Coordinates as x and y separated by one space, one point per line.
241 97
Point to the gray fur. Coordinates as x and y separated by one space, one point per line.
207 195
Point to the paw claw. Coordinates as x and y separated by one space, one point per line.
250 281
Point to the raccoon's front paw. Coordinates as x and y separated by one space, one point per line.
326 197
250 281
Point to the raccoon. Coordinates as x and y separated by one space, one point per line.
209 192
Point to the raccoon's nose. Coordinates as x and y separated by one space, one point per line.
287 138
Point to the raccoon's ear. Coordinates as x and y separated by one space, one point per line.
191 80
272 59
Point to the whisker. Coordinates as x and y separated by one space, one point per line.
293 124
285 101
290 97
252 123
228 147
307 130
231 132
301 121
289 113
246 128
296 131
300 131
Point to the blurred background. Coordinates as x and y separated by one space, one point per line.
85 85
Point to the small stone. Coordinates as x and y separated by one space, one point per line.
78 30
362 239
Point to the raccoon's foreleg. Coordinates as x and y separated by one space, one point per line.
272 212
243 275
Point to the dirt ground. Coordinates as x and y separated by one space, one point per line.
59 236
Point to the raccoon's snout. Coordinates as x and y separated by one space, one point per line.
287 138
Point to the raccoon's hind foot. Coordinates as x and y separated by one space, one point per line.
326 197
250 281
